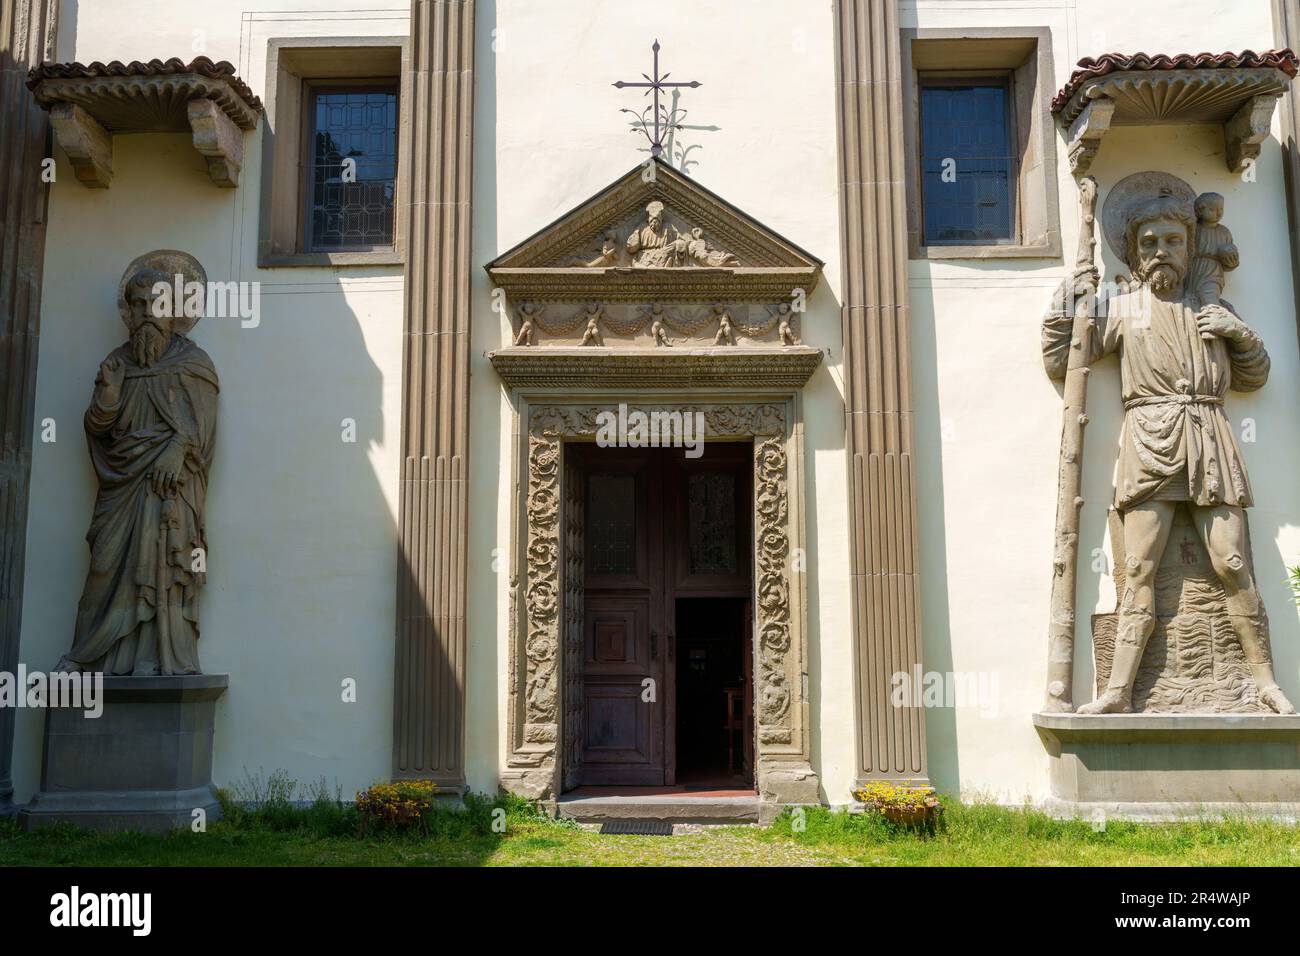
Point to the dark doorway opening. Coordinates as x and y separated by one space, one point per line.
714 680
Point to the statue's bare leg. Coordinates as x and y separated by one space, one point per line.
1223 531
1146 532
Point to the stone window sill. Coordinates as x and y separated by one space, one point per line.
1038 250
386 257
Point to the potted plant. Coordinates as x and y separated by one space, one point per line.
401 805
901 806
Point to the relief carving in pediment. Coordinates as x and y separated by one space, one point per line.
656 239
655 269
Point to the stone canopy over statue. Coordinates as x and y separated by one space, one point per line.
1181 349
150 426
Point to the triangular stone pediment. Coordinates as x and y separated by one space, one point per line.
656 282
655 233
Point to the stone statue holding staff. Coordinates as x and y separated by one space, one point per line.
150 426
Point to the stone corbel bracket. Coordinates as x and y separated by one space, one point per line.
89 105
1236 91
1086 133
1247 130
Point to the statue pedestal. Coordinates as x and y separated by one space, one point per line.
145 763
1165 766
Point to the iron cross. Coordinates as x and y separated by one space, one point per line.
657 84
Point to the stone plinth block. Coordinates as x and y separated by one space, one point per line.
145 763
1161 766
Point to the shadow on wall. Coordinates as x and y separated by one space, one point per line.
489 567
681 141
304 544
942 753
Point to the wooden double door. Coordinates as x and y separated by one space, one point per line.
653 529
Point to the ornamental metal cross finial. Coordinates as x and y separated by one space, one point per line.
662 122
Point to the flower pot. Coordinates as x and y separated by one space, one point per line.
907 816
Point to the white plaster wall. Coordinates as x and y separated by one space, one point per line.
303 558
988 418
302 564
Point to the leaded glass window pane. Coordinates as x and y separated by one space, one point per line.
711 512
353 169
611 524
967 166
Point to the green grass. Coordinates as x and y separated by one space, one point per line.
325 834
989 835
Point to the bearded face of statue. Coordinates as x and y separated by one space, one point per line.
151 332
655 216
1162 255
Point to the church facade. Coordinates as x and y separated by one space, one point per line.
748 400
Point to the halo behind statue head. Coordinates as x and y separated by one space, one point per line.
1130 193
170 262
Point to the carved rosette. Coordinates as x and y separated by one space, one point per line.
778 671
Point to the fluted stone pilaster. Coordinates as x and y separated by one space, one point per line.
877 355
27 36
429 708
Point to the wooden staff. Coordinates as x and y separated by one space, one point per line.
162 600
1069 502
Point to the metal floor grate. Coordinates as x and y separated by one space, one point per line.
638 827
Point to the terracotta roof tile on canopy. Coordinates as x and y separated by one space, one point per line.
1090 67
202 66
90 104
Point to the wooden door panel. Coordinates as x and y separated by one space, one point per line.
622 732
617 635
618 733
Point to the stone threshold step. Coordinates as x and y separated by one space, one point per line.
668 808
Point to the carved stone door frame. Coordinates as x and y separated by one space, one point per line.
543 423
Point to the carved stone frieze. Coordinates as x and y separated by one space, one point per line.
659 324
673 367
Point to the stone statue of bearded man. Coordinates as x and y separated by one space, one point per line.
1178 358
150 425
652 244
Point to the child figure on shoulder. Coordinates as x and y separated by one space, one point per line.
1215 251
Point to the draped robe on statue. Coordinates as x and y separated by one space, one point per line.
1177 444
139 611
